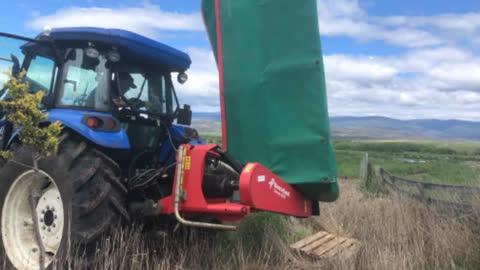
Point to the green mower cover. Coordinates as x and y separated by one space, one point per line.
272 84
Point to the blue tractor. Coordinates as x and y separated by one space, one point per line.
113 92
127 151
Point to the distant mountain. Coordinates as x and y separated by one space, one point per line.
376 127
387 128
212 116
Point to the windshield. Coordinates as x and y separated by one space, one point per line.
147 91
38 62
10 53
86 81
40 75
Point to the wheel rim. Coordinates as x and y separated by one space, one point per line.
18 231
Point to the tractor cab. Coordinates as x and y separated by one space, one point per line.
118 83
106 70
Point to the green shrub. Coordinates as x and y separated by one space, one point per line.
255 232
23 111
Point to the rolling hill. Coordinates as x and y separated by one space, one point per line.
385 128
374 127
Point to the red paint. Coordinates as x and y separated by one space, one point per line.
267 195
263 190
195 202
220 71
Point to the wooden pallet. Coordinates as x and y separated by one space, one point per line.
326 245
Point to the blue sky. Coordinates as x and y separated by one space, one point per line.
402 59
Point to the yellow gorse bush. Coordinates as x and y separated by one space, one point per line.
23 111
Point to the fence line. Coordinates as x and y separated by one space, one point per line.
387 182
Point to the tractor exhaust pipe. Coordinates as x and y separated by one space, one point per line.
177 198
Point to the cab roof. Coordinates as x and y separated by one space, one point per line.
136 45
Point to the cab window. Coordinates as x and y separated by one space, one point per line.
146 91
85 82
40 74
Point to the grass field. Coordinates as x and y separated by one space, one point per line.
436 162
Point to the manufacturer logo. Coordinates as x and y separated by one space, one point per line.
277 189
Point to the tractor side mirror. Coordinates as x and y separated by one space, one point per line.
185 116
15 66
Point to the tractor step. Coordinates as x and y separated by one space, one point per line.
327 245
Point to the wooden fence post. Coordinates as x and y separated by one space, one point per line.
421 191
364 168
379 177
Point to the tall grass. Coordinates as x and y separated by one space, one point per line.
260 243
395 234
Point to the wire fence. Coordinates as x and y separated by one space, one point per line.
456 197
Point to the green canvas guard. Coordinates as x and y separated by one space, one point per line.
272 89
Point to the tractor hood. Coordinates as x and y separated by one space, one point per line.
146 49
273 94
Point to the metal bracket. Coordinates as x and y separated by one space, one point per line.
177 198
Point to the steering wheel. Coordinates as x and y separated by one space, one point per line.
136 103
80 100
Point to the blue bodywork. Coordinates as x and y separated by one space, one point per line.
151 50
72 119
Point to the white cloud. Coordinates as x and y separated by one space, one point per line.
458 76
147 20
440 83
348 18
434 77
465 23
359 69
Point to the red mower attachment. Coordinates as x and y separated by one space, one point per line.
207 185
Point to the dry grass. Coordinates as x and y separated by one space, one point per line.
395 234
130 249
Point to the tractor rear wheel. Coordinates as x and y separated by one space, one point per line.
77 196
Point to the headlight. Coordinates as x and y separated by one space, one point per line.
182 77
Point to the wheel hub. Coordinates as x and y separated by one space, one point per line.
50 219
18 228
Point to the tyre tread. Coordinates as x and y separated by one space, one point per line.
99 196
